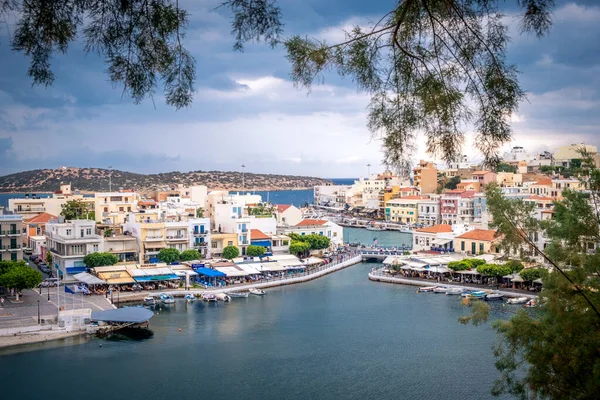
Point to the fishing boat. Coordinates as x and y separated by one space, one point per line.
517 300
427 288
149 300
494 297
238 294
530 304
374 227
210 297
166 298
454 292
441 289
257 292
466 293
222 297
478 294
190 297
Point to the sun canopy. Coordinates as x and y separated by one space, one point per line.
313 261
290 262
439 270
89 279
134 315
272 267
211 273
441 242
468 272
117 277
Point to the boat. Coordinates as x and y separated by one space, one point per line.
190 297
149 300
238 294
478 294
494 297
257 292
466 293
374 227
427 288
222 297
518 300
530 304
166 298
210 297
440 289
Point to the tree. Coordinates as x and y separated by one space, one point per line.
19 276
430 66
317 242
504 167
231 252
452 183
190 254
255 251
494 270
299 248
100 259
169 255
199 212
547 169
531 274
552 353
77 209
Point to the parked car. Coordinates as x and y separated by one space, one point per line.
49 282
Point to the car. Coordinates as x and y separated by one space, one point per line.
49 282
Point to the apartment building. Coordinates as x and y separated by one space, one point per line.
429 211
113 207
318 227
478 241
32 205
11 236
484 178
509 179
36 226
69 242
425 177
334 196
288 214
456 210
403 210
218 241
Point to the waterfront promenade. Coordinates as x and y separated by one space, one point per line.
377 275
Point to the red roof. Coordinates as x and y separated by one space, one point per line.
544 181
541 198
441 228
256 234
309 222
480 234
41 219
482 172
282 207
407 189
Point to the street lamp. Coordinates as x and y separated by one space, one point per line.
243 183
48 291
39 321
110 178
368 170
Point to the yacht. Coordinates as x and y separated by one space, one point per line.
257 292
517 300
149 300
454 292
238 294
166 298
210 297
494 297
440 289
427 288
222 297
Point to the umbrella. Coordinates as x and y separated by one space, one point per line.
518 279
538 281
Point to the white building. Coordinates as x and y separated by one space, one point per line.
69 242
334 196
429 211
515 155
199 233
288 215
318 227
32 205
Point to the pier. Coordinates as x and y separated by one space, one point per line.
381 253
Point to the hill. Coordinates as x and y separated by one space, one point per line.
97 179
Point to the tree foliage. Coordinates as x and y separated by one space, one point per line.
465 264
231 252
553 353
169 255
494 270
100 259
19 276
255 251
190 254
299 248
317 242
77 209
504 167
452 183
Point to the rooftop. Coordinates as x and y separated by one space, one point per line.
256 234
310 222
441 228
41 218
282 207
480 234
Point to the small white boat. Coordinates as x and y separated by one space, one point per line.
238 294
494 297
375 228
222 297
530 304
257 292
190 297
479 294
454 292
149 300
210 297
517 300
441 289
166 298
427 288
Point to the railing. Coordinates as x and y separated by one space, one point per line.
12 247
31 209
177 237
200 233
154 237
10 233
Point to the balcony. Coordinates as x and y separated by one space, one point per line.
30 209
177 238
200 245
154 238
200 234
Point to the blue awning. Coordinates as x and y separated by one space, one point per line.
155 278
212 273
261 242
76 270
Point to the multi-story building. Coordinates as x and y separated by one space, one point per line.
200 235
403 210
481 216
32 205
564 155
515 155
334 196
11 236
429 210
469 184
542 187
69 242
288 214
509 179
36 226
425 177
113 207
478 241
451 210
484 177
218 241
125 247
560 185
316 226
466 211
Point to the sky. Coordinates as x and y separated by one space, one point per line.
247 111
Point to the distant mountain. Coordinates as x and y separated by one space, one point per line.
97 179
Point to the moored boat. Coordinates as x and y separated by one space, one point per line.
427 288
257 292
454 292
441 289
478 294
374 227
530 304
517 300
238 294
494 297
190 297
149 300
222 297
210 297
466 293
166 298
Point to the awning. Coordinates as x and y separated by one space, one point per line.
441 242
211 273
141 272
517 279
152 245
438 270
88 278
232 271
313 261
184 272
538 281
290 263
415 264
261 242
152 278
468 272
252 268
75 270
272 267
118 277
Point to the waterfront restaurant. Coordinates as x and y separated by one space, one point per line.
114 274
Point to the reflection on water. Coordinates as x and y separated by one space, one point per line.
129 334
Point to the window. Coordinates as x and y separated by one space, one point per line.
416 240
334 234
88 231
213 244
481 247
69 232
230 243
285 243
462 246
95 248
121 209
105 209
128 208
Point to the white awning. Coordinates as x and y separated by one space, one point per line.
180 272
313 261
468 272
415 264
290 262
438 270
232 271
441 242
88 278
272 267
251 269
139 272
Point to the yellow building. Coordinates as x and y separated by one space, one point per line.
509 179
218 241
113 207
469 184
403 210
478 241
425 177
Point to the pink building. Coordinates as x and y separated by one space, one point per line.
484 177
